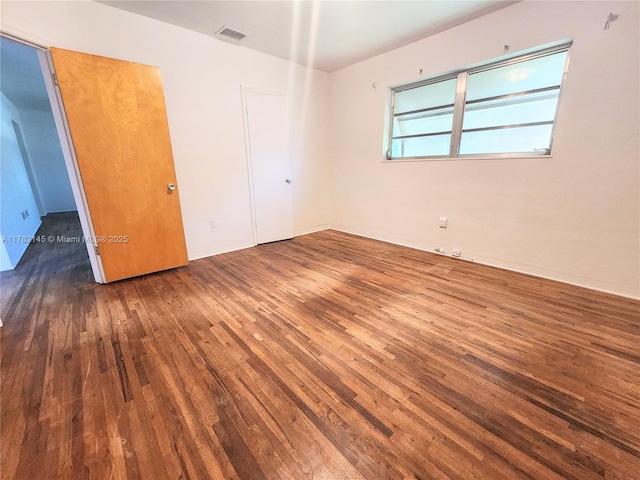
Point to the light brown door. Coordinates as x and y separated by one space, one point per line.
118 124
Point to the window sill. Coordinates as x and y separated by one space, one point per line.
465 158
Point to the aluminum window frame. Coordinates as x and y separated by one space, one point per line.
460 103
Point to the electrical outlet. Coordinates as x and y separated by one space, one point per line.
456 253
212 224
443 222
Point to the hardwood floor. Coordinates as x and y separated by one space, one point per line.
326 357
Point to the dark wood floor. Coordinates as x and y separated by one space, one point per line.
326 357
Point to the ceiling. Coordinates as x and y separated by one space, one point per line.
324 34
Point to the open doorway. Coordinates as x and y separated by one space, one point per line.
107 170
39 212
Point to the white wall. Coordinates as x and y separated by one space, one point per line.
16 195
574 217
202 79
47 162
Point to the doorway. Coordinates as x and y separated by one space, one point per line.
122 174
36 189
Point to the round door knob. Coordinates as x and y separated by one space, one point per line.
171 187
288 180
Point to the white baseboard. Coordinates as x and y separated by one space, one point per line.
317 228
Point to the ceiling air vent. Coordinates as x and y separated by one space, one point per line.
231 33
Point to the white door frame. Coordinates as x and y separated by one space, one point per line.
246 89
70 160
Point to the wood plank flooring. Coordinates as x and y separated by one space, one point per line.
329 357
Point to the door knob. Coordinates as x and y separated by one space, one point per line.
288 180
171 187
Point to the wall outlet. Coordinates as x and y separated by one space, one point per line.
212 224
456 253
443 222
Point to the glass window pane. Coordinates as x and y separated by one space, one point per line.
538 107
421 146
519 77
424 122
506 140
426 96
498 110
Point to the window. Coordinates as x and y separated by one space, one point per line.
505 108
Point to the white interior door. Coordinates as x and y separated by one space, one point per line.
270 165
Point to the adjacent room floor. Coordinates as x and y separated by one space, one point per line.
329 356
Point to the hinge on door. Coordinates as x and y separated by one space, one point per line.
97 249
55 79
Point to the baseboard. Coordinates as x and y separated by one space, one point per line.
317 228
225 249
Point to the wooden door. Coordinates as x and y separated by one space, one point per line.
118 125
268 134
